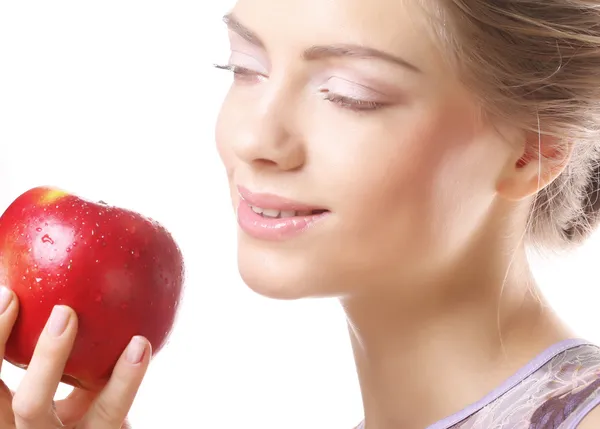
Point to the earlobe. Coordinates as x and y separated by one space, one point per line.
542 159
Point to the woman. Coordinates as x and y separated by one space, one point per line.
399 155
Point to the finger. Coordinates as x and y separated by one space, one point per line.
32 403
110 409
7 419
9 308
72 409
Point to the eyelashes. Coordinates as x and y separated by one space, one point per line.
349 102
240 73
243 74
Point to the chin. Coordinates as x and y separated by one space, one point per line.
271 282
281 273
270 286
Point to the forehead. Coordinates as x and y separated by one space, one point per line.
395 26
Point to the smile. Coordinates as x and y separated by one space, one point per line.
279 214
273 218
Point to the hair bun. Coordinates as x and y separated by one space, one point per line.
584 224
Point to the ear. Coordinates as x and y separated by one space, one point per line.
540 160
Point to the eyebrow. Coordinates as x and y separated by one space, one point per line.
322 51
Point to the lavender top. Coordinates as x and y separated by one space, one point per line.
555 390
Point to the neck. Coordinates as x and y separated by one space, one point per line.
420 359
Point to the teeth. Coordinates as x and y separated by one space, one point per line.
279 213
270 213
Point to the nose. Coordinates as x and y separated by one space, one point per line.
267 137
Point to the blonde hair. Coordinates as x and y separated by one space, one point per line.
536 63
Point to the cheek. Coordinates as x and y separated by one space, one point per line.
383 165
413 179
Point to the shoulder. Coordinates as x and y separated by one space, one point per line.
574 402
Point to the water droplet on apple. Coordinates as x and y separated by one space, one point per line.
38 279
135 253
68 249
23 278
38 229
93 232
97 260
69 267
47 239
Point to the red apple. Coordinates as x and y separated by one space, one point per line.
121 272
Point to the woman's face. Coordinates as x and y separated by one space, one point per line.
347 106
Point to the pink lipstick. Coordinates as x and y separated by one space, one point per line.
274 218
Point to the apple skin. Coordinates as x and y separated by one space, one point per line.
121 272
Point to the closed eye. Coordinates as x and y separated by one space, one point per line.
240 72
350 102
245 74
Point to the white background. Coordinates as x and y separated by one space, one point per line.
116 100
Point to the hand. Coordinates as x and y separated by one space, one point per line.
32 405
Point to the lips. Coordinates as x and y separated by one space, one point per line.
271 205
273 218
279 214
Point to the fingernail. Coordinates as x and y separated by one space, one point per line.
135 350
5 298
59 319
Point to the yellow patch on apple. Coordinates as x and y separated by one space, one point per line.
52 196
